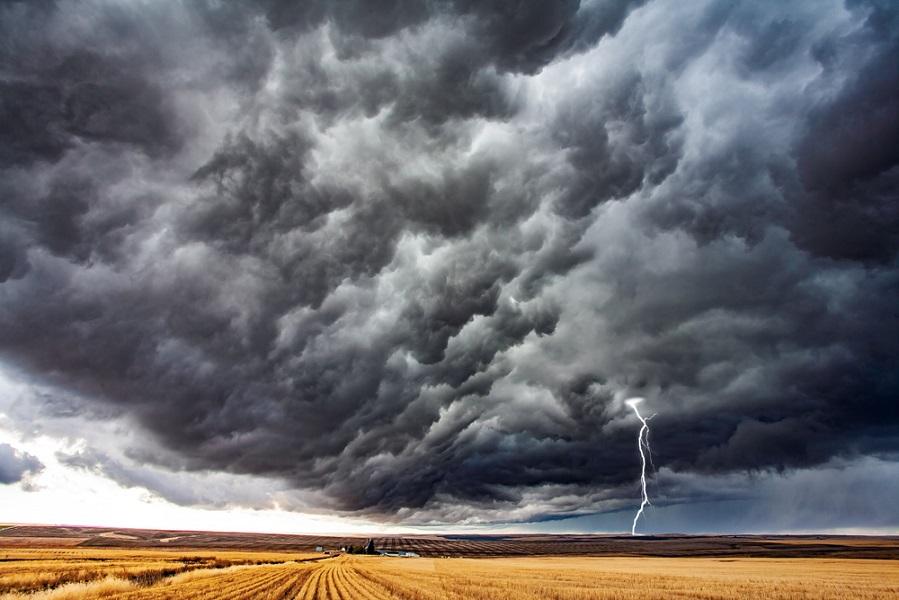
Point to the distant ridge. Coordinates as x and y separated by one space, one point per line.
669 545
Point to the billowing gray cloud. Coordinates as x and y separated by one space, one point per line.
408 259
16 465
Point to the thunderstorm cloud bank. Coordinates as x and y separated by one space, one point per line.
408 259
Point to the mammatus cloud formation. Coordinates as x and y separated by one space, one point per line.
408 259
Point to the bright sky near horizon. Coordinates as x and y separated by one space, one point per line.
58 494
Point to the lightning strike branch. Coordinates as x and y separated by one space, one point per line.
642 444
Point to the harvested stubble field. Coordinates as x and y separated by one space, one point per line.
24 571
383 578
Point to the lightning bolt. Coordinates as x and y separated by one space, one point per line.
642 444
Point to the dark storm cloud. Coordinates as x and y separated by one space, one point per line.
408 259
848 154
16 465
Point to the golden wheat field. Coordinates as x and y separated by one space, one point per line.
81 574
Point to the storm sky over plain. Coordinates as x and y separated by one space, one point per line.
405 260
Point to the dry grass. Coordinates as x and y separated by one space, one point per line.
108 587
37 569
532 578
